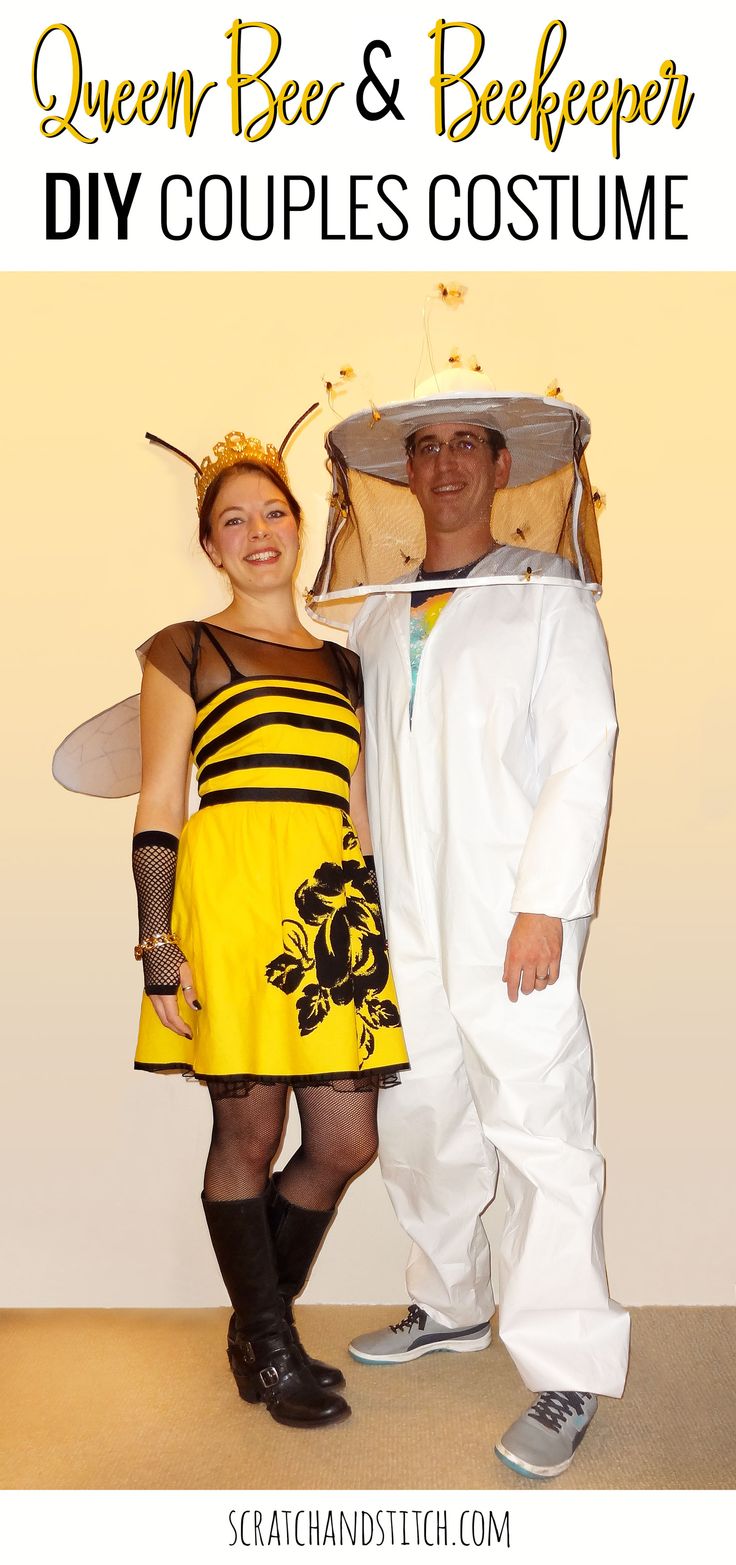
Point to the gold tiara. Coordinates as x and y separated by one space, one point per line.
236 447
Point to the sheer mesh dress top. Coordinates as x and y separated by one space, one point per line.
274 907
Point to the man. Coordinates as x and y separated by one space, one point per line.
490 730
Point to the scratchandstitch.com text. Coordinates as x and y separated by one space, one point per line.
323 1528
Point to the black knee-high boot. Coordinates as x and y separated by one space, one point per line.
298 1232
264 1358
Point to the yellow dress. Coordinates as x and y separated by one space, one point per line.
274 908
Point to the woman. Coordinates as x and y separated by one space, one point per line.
260 931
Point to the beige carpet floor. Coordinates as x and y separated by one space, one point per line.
143 1399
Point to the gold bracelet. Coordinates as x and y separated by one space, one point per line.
152 942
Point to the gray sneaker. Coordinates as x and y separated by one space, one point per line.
543 1442
416 1335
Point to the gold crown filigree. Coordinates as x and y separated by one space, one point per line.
236 447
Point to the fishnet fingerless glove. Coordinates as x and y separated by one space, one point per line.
154 873
370 865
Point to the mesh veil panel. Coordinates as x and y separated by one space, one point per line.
589 541
375 532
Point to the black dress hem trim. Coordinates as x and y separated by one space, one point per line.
313 1079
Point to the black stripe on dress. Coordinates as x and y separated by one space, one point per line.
307 763
322 725
336 699
278 795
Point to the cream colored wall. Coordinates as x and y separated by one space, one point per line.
103 1167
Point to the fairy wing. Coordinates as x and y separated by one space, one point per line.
102 756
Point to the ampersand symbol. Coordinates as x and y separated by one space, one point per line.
371 80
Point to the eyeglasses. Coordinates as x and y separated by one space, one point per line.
459 445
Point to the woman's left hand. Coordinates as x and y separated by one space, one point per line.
166 1006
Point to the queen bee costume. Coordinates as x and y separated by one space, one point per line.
274 906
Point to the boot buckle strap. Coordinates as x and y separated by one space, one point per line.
249 1353
268 1376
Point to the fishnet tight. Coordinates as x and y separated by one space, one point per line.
338 1138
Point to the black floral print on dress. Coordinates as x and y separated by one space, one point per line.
345 961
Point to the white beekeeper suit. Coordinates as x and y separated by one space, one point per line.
494 801
489 797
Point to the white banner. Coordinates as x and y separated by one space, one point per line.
177 137
526 1529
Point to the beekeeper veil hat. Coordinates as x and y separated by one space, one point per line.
375 529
